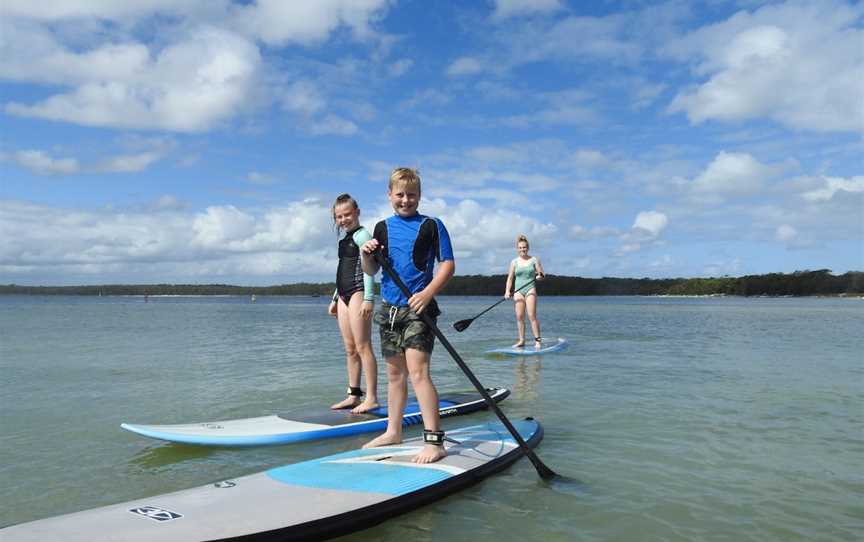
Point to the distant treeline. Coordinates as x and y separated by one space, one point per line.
799 283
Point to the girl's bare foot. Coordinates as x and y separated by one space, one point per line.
384 439
349 402
365 406
519 344
430 454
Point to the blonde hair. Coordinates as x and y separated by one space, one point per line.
520 238
405 176
340 199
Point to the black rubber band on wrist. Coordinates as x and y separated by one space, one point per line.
435 438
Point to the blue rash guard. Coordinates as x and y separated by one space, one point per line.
411 245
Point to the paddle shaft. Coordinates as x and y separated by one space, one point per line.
503 299
544 471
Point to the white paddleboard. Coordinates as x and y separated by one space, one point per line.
273 429
312 500
547 346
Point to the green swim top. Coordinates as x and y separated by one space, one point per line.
524 273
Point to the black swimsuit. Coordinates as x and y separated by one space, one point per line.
349 274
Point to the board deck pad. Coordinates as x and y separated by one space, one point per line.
276 429
312 500
547 346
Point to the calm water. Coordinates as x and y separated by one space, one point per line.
681 419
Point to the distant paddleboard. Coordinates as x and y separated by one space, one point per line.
312 500
327 423
547 346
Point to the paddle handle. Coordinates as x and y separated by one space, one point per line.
544 471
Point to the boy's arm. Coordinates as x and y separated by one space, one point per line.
421 299
367 257
367 250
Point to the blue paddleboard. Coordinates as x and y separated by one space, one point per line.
547 346
313 500
274 429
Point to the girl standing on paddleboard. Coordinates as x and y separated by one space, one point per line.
524 271
352 305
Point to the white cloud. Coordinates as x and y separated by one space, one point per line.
204 68
400 67
566 107
303 97
647 228
589 159
465 65
163 239
652 222
41 163
333 125
276 22
733 174
598 232
786 233
833 185
189 86
114 10
223 227
512 8
128 163
798 63
475 227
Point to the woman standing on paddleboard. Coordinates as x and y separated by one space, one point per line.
524 271
352 305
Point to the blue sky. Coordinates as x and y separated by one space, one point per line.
201 141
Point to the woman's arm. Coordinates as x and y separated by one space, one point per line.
539 268
510 273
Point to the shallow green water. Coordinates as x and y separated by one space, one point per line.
679 419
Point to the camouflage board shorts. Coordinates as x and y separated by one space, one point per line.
402 328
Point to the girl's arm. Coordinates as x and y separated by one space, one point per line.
360 238
507 288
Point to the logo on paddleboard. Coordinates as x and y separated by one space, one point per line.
225 483
154 513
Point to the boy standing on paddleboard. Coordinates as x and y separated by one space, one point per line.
411 242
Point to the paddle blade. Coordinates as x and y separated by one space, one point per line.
462 325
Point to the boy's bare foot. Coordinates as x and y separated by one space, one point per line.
365 406
349 402
430 454
385 439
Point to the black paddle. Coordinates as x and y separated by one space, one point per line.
462 325
545 472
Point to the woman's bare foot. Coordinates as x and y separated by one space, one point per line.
365 406
519 344
430 454
538 342
384 439
349 402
